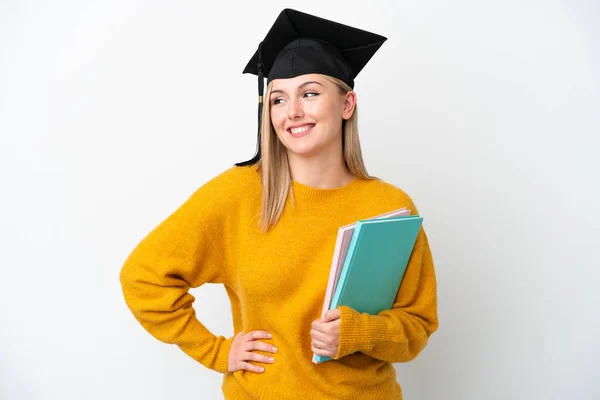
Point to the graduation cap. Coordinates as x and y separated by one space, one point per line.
300 43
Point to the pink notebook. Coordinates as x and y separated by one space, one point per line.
339 255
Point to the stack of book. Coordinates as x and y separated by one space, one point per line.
369 261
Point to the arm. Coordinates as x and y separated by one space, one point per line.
399 334
176 255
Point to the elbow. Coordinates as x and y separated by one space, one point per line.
125 278
129 280
410 350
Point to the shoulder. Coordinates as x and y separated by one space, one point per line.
235 178
394 194
230 186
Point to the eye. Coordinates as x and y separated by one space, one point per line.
311 94
276 101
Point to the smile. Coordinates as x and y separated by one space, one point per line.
300 130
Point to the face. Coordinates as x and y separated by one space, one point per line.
307 113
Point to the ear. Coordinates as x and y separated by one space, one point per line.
349 105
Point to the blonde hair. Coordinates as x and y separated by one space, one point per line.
275 170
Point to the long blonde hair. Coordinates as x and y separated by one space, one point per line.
275 170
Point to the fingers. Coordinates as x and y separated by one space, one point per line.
323 325
319 344
255 335
258 357
251 367
321 336
249 356
245 351
324 344
322 352
262 346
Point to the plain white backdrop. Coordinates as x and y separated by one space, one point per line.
487 113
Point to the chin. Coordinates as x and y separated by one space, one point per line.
303 152
300 149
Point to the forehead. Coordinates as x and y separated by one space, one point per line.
292 83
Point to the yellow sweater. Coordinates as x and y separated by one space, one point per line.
276 282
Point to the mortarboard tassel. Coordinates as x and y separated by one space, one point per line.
261 84
261 88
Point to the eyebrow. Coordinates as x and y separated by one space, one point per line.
299 87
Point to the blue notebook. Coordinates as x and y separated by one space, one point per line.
374 265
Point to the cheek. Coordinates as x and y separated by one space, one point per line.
322 111
277 118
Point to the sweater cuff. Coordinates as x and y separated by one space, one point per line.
353 333
221 363
209 350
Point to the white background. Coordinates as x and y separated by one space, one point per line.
487 113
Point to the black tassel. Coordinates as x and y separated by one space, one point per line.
261 88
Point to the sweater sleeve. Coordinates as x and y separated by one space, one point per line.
178 255
398 334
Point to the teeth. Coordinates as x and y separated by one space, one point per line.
300 130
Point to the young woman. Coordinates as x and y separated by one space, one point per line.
266 229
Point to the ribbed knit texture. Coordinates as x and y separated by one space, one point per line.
276 281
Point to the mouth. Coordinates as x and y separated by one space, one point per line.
299 131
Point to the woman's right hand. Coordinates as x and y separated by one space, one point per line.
242 348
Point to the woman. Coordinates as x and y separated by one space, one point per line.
266 228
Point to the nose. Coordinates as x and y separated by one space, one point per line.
295 109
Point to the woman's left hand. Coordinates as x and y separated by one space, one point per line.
325 334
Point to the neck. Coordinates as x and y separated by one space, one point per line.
321 172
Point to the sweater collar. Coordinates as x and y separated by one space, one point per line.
304 192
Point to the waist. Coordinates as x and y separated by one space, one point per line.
356 377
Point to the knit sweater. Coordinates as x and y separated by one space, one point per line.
276 282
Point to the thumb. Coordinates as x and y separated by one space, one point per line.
331 315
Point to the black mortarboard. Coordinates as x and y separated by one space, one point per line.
300 43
